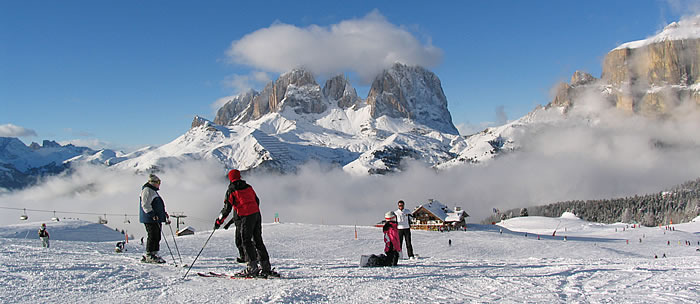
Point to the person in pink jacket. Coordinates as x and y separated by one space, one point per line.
392 246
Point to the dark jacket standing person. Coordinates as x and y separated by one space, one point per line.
44 236
404 226
236 220
241 197
152 214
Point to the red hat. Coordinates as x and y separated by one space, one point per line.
234 175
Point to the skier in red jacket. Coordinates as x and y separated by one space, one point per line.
241 197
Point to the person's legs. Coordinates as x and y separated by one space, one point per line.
247 231
409 247
239 242
153 241
260 245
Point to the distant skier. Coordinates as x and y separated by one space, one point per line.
152 214
241 197
119 248
404 228
44 236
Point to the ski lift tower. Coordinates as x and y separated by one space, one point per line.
177 217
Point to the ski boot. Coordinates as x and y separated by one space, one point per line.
252 271
266 271
152 258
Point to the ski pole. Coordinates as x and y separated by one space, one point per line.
166 244
200 252
176 249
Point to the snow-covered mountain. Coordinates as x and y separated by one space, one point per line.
294 121
22 165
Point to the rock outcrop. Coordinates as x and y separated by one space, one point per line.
296 89
411 92
339 90
648 77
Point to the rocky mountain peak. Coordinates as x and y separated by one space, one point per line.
339 90
648 77
238 109
296 89
411 92
581 78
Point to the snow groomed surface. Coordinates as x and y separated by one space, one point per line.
495 263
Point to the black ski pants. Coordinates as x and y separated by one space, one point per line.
153 241
251 234
239 240
406 234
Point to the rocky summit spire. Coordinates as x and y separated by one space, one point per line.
411 92
296 89
338 89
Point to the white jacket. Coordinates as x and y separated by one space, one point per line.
402 218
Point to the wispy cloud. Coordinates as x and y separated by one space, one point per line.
365 45
10 130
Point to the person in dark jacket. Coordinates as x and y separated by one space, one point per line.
44 236
152 214
241 197
236 220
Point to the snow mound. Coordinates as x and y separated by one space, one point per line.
65 230
569 215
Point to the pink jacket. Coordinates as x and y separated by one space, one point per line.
391 237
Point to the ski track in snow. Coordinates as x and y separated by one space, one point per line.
319 265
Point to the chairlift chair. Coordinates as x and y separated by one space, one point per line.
24 216
102 220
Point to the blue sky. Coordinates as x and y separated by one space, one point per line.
127 74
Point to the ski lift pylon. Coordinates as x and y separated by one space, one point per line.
102 220
126 220
54 218
24 216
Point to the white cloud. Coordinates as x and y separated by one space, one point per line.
10 130
242 83
365 46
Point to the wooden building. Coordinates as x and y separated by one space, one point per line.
437 216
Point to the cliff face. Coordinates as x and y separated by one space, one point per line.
339 90
653 79
411 92
648 77
296 89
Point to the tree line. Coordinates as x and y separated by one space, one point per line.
677 205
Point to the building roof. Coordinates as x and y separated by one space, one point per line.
442 212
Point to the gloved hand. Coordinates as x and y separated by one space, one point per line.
217 224
227 225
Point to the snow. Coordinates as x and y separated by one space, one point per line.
687 28
595 264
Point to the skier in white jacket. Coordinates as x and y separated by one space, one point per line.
404 225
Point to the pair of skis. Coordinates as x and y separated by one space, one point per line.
212 274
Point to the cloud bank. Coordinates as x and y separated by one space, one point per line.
365 46
10 130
